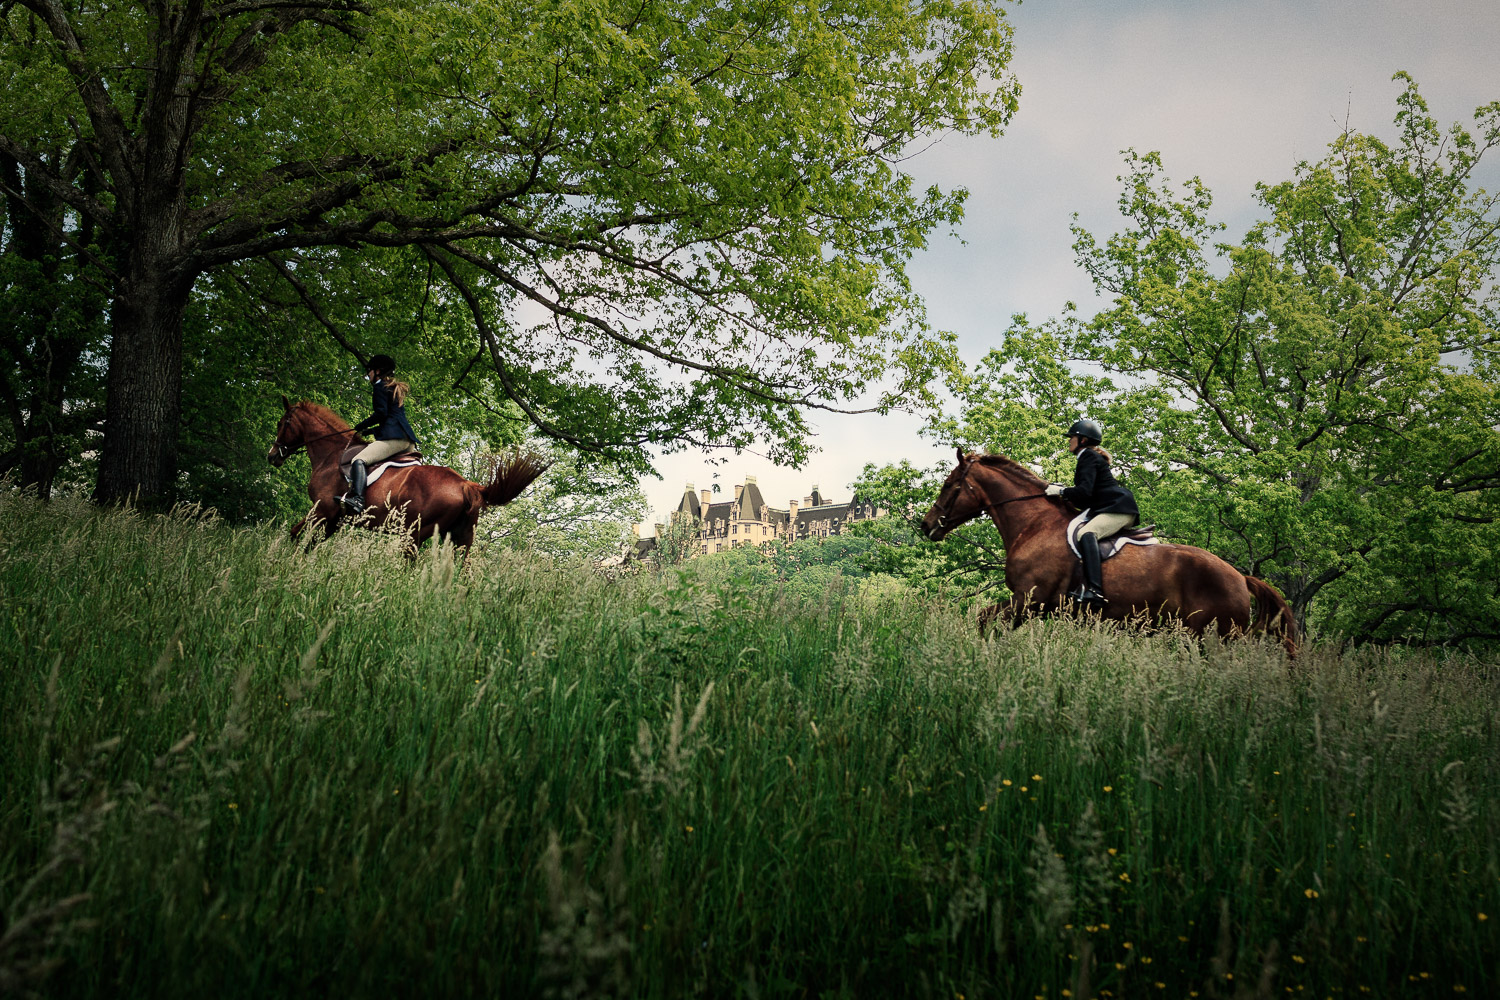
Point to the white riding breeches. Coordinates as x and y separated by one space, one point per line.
1105 525
379 451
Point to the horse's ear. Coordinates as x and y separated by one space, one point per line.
960 451
286 402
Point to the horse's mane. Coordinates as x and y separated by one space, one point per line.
322 413
1008 464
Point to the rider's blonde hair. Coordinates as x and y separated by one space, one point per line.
398 388
1102 454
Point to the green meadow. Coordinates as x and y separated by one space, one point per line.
233 768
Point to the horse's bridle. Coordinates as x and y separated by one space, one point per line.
986 505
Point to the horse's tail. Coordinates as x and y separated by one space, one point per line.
1272 612
512 474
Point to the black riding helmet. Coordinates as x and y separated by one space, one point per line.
1088 430
382 364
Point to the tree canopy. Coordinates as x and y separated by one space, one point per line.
1318 402
663 223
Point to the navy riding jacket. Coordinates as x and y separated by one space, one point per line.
1094 487
389 420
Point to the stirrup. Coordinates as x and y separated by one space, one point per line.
1092 598
352 503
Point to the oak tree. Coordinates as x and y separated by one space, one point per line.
668 221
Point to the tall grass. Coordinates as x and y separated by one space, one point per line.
230 767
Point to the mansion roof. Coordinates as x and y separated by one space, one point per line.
816 514
748 520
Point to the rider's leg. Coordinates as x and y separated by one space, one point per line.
1091 591
355 498
375 451
1099 527
379 451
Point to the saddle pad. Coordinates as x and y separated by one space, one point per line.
412 456
1141 534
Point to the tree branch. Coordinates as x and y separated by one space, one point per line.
312 307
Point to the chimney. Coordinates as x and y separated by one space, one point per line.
807 501
706 494
659 530
737 491
792 505
635 531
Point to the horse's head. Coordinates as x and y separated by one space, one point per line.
289 434
960 500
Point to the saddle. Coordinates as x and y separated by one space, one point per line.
411 456
1141 534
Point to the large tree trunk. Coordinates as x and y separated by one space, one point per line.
144 398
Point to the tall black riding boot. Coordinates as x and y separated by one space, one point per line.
1092 591
354 500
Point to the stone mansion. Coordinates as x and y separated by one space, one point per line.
749 520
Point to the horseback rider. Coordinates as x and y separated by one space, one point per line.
1094 489
393 433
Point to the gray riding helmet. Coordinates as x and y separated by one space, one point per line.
1087 429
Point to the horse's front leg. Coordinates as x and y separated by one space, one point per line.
324 516
1002 615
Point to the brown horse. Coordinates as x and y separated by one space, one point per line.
433 499
1156 582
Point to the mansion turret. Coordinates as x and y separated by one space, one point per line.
749 520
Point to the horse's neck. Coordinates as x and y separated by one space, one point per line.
1013 519
326 441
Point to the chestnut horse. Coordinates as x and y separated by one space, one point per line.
431 497
1159 582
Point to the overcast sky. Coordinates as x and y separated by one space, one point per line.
1234 92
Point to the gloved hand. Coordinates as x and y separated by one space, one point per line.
1054 490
